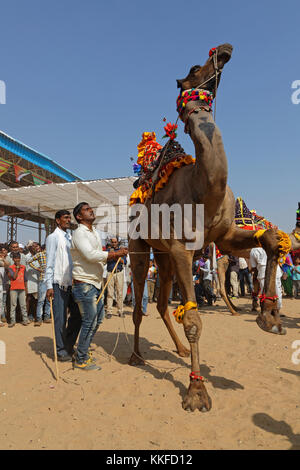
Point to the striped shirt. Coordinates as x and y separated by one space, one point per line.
41 259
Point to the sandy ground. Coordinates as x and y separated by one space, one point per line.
253 383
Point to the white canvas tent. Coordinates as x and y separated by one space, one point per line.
108 197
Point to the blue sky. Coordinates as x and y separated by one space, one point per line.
85 79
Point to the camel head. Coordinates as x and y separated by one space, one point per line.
204 76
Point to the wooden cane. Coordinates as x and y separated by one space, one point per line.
54 340
108 280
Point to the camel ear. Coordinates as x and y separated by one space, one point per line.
179 83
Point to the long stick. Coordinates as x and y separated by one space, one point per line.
54 340
108 281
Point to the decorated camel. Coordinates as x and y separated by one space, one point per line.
202 182
247 220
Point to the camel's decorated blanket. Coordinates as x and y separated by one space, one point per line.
151 171
247 220
250 220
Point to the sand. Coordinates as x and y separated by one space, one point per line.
251 378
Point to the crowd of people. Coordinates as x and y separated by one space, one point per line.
66 275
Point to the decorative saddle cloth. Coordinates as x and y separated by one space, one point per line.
155 164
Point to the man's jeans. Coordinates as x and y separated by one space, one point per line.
144 299
92 315
42 290
244 275
66 335
16 295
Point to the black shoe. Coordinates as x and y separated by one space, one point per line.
108 316
65 358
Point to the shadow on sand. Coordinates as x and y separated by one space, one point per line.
268 424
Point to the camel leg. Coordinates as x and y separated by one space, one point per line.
196 396
237 240
223 264
139 252
165 278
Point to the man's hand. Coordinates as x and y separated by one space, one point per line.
50 294
122 252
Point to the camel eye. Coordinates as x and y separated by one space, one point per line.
195 68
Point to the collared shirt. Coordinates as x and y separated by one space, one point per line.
41 258
88 256
51 255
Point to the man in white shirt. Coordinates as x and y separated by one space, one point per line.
58 279
88 260
207 280
258 260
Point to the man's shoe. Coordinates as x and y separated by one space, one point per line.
65 358
108 316
47 320
3 319
11 325
1 324
121 315
86 365
38 323
25 323
91 358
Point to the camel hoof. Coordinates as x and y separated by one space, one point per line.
276 330
197 398
184 352
235 314
136 360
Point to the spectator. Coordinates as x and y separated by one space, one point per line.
18 289
3 281
58 279
296 278
234 278
88 259
32 280
151 278
40 258
14 248
244 275
207 280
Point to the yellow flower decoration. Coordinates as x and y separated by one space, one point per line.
146 137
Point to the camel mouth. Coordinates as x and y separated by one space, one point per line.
225 51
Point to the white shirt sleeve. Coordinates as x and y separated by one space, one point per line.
253 260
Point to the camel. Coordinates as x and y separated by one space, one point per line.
204 182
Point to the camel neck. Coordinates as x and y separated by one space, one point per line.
211 162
